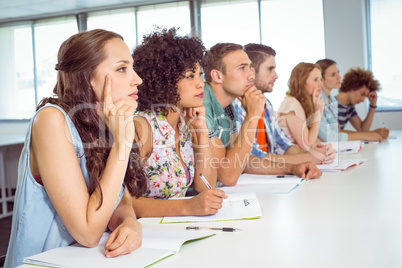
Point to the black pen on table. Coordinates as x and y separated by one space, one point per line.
205 181
224 229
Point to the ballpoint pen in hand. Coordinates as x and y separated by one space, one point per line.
224 229
205 181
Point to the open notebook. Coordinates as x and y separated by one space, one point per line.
238 206
264 184
341 165
156 246
347 147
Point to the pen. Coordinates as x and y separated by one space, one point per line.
347 150
205 181
224 229
286 176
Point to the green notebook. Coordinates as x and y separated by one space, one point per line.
156 246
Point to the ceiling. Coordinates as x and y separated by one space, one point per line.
14 10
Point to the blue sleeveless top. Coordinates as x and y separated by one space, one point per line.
36 226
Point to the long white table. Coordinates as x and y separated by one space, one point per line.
347 219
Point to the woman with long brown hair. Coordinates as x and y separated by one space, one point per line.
80 164
300 113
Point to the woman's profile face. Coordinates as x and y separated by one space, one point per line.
314 81
332 78
119 65
191 88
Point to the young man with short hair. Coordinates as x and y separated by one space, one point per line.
229 75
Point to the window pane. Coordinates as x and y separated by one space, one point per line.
385 56
121 21
49 35
295 30
233 21
17 94
164 15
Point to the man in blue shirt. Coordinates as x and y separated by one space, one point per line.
271 142
229 75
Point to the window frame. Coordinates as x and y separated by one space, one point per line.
380 108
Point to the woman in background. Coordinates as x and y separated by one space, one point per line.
172 128
299 115
331 79
77 169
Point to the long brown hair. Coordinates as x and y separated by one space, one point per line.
78 58
297 86
324 65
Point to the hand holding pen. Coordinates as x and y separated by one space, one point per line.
207 202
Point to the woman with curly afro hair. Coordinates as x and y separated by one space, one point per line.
358 84
171 124
300 112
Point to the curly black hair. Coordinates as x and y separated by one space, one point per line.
161 61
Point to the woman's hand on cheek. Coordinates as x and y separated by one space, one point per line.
195 117
117 116
318 102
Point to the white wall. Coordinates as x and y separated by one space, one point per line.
13 127
345 42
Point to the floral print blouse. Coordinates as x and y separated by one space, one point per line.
166 175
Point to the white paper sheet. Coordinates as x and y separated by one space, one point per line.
238 206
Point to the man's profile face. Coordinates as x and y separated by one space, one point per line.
239 75
266 76
359 95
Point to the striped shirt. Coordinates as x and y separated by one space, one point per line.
345 112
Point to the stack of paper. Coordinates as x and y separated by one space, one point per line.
341 165
264 184
239 206
156 245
